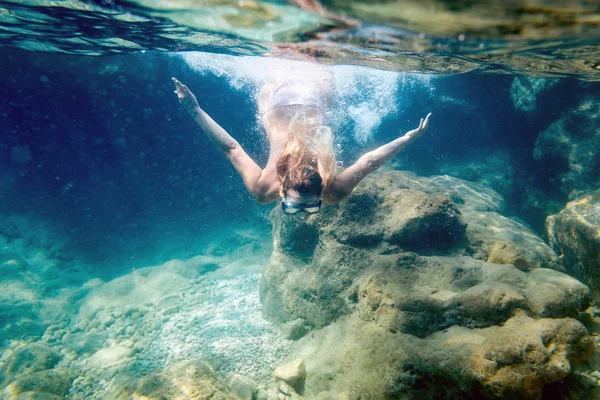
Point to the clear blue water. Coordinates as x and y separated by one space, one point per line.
103 174
113 155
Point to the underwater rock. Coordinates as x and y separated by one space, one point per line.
524 91
295 329
292 373
370 232
359 359
12 268
147 286
243 386
393 320
122 386
22 314
28 359
110 356
37 396
505 253
492 170
571 146
190 380
499 170
481 209
420 296
285 389
408 218
377 212
207 267
575 234
488 228
40 385
157 287
88 342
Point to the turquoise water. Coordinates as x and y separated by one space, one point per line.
134 264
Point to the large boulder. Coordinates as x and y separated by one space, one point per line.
482 209
574 233
354 359
571 146
316 261
300 281
423 295
394 286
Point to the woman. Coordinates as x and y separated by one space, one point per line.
301 167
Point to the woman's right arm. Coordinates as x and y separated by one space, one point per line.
259 186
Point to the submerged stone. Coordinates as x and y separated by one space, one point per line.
524 91
294 330
401 303
362 360
192 380
571 146
47 383
575 234
389 216
505 253
243 386
26 360
292 373
110 356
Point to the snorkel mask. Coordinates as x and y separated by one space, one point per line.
299 209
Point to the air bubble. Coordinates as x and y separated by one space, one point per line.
339 164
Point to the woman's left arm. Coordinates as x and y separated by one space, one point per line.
344 183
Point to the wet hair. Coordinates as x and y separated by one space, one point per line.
307 163
306 181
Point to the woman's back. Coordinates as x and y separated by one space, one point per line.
283 104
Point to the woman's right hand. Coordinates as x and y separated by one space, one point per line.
185 96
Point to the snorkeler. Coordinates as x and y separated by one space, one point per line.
300 171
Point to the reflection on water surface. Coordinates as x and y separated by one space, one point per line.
537 38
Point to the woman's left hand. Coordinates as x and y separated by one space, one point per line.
417 133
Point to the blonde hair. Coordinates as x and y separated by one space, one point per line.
307 162
308 152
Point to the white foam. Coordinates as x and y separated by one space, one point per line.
367 96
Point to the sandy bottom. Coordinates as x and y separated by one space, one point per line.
147 320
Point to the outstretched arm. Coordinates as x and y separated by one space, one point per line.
262 189
344 183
